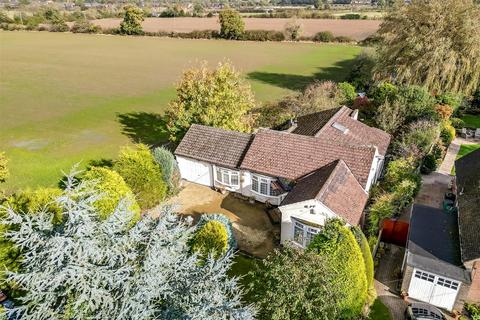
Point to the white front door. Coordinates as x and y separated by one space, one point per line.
431 288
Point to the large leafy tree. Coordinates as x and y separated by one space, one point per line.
231 24
132 21
90 268
433 43
219 98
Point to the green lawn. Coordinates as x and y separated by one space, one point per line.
69 98
242 265
471 120
379 311
464 150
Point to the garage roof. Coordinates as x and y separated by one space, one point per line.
433 243
467 170
218 146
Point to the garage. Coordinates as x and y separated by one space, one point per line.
195 171
436 290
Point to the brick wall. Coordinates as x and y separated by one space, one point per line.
474 293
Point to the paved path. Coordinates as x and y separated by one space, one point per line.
388 280
452 151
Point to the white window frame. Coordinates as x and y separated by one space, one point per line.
261 181
229 174
307 233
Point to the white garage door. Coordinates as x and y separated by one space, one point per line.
433 289
195 171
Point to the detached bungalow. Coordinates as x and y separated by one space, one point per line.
320 167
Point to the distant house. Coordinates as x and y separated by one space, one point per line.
442 260
320 167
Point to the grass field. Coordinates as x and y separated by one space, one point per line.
355 29
66 98
472 121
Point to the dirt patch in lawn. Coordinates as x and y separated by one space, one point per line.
253 230
355 29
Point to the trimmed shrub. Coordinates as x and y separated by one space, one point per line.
324 36
368 260
232 243
336 244
348 91
33 201
113 188
171 173
433 159
384 92
144 176
210 238
447 133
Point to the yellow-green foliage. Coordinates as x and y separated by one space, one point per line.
114 189
447 133
443 54
220 98
337 245
3 167
231 24
211 238
142 174
398 170
382 208
368 260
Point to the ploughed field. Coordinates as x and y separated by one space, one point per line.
355 29
68 98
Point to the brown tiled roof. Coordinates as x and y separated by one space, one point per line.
310 124
358 133
335 186
218 146
292 156
467 170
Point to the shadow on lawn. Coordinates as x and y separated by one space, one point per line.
144 127
338 72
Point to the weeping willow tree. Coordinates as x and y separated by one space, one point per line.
434 43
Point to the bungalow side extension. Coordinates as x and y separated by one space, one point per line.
322 166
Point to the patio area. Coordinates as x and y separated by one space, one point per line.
253 230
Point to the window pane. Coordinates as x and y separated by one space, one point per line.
264 187
298 233
234 178
310 235
219 175
254 183
226 179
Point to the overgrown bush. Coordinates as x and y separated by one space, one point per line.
41 199
85 26
473 310
263 35
418 139
383 207
114 189
390 116
418 101
457 123
323 36
343 39
404 193
210 238
348 91
293 30
399 170
451 99
383 92
444 111
171 173
447 133
142 174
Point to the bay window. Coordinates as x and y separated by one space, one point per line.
303 234
227 177
267 186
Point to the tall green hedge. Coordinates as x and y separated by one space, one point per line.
142 174
336 244
113 188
